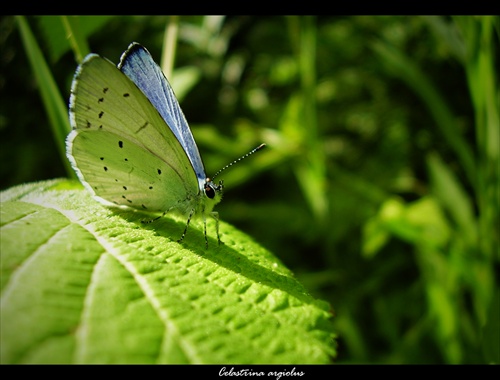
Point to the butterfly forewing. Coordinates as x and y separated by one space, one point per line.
140 67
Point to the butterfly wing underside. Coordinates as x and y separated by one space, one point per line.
120 147
137 63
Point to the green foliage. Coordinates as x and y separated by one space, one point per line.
85 284
380 187
53 102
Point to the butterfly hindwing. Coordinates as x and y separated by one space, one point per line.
108 165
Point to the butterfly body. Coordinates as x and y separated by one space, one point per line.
130 144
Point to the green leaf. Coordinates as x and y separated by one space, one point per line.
491 331
404 67
60 33
420 222
453 196
82 283
54 103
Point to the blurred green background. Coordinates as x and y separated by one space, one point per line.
380 184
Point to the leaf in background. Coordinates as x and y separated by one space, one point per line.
491 331
480 34
420 222
54 104
400 65
183 80
55 32
452 195
82 283
375 236
448 35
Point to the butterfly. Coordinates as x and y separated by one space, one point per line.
131 145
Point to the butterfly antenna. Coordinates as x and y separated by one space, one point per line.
239 159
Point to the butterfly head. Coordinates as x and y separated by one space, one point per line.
213 191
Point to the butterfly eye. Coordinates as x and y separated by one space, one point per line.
210 190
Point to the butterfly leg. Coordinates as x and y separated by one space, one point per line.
215 215
187 225
158 217
205 231
154 219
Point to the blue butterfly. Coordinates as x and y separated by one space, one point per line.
131 144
